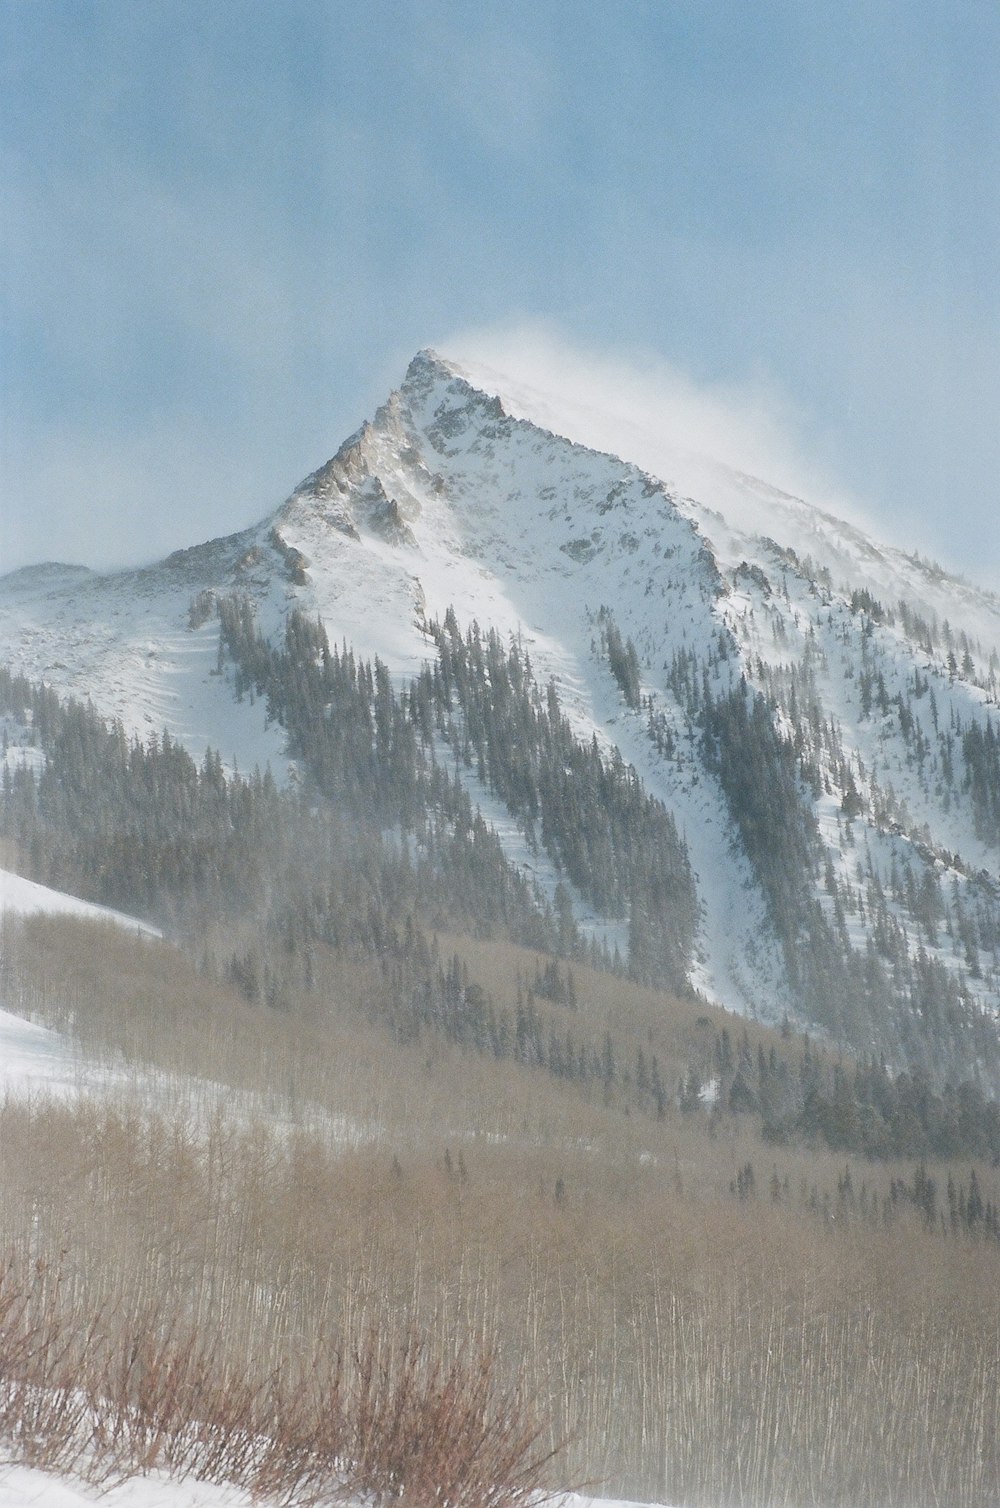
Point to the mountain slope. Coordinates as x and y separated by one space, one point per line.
817 712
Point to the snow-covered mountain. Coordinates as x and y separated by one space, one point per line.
818 711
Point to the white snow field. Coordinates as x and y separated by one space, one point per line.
25 1487
33 1057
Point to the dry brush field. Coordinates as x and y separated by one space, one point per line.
302 1194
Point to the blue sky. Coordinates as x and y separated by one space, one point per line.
226 228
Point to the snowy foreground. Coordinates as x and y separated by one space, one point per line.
20 1486
34 1058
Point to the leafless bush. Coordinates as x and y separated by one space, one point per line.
107 1399
434 1432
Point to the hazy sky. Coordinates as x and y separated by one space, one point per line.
226 227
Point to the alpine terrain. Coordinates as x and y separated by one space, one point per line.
715 736
500 992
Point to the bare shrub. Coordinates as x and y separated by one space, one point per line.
436 1432
109 1399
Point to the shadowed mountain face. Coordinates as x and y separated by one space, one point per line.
816 713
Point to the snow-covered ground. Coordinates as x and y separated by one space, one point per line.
131 643
25 1487
33 1057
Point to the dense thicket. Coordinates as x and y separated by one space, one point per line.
617 844
813 1096
766 783
981 747
902 999
623 658
141 826
479 706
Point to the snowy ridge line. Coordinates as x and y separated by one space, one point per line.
518 511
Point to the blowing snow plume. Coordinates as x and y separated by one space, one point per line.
646 410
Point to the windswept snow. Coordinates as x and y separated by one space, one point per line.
528 513
732 508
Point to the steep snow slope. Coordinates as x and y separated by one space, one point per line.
453 496
131 642
445 501
23 897
514 509
735 510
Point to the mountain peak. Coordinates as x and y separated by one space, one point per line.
430 367
427 359
814 710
